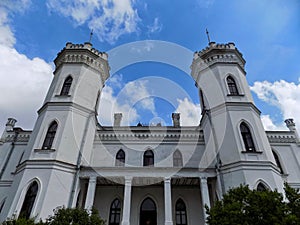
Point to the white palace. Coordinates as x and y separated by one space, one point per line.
142 175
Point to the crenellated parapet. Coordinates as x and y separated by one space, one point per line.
86 54
281 137
216 53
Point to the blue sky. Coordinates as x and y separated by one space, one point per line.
267 32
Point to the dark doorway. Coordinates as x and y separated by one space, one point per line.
148 214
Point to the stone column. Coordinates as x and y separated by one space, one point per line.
168 202
127 201
89 201
204 195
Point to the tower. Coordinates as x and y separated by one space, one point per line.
234 135
63 135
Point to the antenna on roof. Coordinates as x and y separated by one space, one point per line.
208 38
91 36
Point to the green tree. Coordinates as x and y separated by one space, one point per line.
63 216
74 216
242 206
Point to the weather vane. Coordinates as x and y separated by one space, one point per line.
91 35
208 38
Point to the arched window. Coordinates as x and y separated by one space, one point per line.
278 162
148 213
148 158
261 187
232 86
247 137
177 159
120 158
180 208
50 135
115 212
29 200
66 86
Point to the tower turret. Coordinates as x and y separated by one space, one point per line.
62 139
233 131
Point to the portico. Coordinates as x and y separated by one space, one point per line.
153 199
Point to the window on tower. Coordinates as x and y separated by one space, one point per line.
50 135
148 158
232 86
29 200
120 158
66 86
247 137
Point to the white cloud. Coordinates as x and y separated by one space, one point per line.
155 27
109 19
282 94
129 101
269 125
24 81
7 37
189 112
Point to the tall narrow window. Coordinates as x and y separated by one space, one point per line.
29 200
120 158
261 187
177 159
66 86
247 137
115 212
232 86
278 162
180 208
148 158
50 135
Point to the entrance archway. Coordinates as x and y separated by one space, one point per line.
148 213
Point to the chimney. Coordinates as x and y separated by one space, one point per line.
117 119
9 126
176 119
292 127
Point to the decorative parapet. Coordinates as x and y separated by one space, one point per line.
216 53
22 137
281 137
142 135
84 53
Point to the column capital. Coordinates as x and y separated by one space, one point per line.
128 180
92 178
203 179
167 179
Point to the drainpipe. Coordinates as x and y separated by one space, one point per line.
79 157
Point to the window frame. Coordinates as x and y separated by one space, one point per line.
233 89
29 200
180 214
177 159
247 138
66 87
120 159
50 135
148 158
115 212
